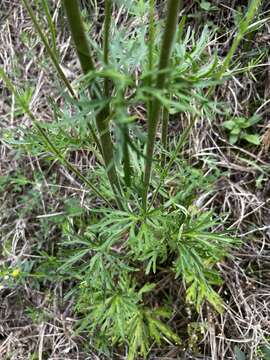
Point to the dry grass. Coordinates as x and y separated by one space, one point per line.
48 332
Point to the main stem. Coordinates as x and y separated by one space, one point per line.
167 42
151 45
87 64
107 22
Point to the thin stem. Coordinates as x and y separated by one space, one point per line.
174 155
151 43
107 23
52 55
168 37
50 24
92 131
243 26
48 48
51 147
87 64
242 30
164 134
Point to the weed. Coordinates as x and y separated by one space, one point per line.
142 224
239 129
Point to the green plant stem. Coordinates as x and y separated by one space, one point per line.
173 156
243 26
167 42
107 23
151 44
48 48
81 44
242 30
75 22
164 134
51 147
54 59
50 25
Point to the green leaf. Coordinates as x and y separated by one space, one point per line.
254 119
233 139
230 124
241 122
73 207
236 130
166 331
239 354
146 288
205 5
266 352
252 138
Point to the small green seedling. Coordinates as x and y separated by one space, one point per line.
239 129
207 6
